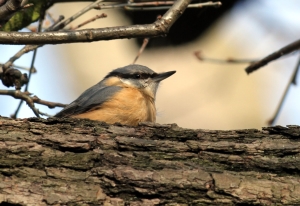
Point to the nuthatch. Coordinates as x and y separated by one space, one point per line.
126 95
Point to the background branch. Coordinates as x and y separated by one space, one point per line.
153 5
281 52
284 95
145 42
160 27
42 15
230 60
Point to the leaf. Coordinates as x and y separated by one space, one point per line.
24 17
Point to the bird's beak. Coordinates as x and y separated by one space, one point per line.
162 76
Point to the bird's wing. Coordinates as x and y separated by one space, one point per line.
92 97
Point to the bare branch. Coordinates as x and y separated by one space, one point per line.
145 42
41 20
56 26
291 81
25 96
281 52
75 16
229 60
90 20
17 94
8 9
158 28
155 5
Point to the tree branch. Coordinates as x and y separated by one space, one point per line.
83 162
229 60
25 96
158 28
145 42
281 52
284 95
89 21
41 20
8 9
153 5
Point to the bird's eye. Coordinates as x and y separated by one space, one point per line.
137 76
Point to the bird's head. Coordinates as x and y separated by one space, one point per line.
139 77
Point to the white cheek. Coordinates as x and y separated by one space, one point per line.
153 87
126 81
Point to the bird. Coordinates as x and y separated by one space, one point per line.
126 95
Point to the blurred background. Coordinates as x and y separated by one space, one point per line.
201 94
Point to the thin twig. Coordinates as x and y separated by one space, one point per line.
281 52
42 16
156 5
291 81
51 105
25 49
55 23
145 42
78 14
59 24
158 28
90 20
229 60
25 96
27 6
51 18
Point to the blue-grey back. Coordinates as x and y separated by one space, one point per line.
92 97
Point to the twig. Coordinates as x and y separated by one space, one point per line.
158 28
145 42
90 20
50 105
50 16
156 5
281 52
27 6
229 60
55 23
78 14
25 96
56 26
25 50
42 16
291 81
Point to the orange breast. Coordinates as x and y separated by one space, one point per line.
129 107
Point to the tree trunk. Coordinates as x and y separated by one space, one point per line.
81 162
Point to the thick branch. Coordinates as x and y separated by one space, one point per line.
81 162
158 28
8 9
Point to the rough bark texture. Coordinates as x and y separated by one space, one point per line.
81 162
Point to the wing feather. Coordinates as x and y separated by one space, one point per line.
92 97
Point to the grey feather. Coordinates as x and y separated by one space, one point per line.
92 97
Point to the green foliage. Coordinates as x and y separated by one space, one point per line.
24 17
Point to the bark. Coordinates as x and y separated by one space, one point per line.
81 162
